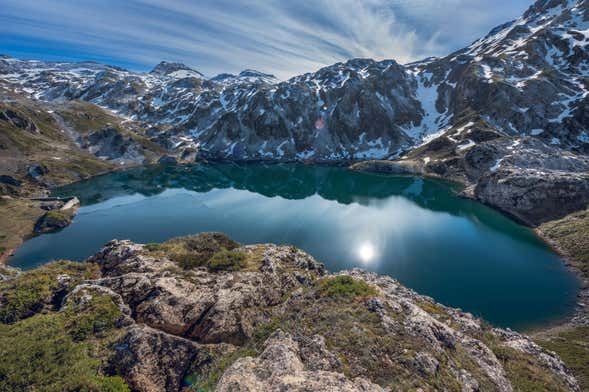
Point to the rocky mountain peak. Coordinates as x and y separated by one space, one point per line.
527 77
254 73
166 68
551 6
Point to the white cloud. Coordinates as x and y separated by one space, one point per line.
282 37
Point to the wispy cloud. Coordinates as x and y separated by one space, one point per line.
278 36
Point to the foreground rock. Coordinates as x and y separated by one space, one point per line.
206 312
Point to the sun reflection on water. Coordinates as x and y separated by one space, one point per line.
366 252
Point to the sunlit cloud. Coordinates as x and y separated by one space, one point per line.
281 37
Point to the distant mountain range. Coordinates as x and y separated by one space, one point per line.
526 77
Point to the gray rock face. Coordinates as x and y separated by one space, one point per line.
280 368
18 121
152 361
535 196
529 180
110 144
269 327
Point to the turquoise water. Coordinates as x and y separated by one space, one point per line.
418 231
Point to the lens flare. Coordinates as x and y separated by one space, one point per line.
320 123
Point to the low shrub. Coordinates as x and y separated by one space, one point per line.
190 260
196 251
344 286
227 260
153 246
92 319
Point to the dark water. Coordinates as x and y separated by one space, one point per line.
460 252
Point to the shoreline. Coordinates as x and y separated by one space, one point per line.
579 317
44 192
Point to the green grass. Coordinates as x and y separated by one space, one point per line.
58 217
525 373
571 235
208 383
46 352
34 290
432 308
153 246
190 260
21 222
100 316
344 286
572 346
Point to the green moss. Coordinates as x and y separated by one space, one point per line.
40 353
344 286
227 260
33 290
572 346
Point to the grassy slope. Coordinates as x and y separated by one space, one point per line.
571 236
23 215
41 349
47 144
85 118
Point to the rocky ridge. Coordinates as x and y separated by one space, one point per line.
206 312
525 78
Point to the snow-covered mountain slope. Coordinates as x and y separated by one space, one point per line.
528 77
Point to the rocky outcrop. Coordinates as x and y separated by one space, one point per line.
535 196
280 368
281 322
18 120
151 360
60 214
112 145
169 317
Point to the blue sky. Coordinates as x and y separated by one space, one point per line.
282 37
